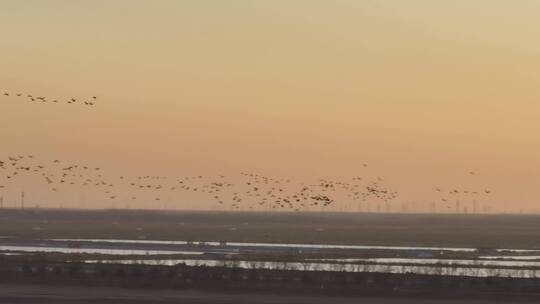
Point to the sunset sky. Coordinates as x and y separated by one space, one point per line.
423 91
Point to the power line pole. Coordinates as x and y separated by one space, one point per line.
22 200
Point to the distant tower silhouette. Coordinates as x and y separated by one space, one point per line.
22 200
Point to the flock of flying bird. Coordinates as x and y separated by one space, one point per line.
247 191
41 99
243 192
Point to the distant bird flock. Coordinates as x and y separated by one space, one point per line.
42 99
247 191
244 191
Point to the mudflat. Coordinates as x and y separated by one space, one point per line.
30 294
475 231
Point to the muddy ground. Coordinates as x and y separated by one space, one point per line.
476 231
33 294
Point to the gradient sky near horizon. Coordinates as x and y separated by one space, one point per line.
423 91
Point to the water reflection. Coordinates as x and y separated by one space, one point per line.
340 267
108 251
271 245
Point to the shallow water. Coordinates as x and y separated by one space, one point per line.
505 261
452 262
270 245
512 257
485 266
47 249
518 250
141 242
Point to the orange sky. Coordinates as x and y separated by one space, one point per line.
423 91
